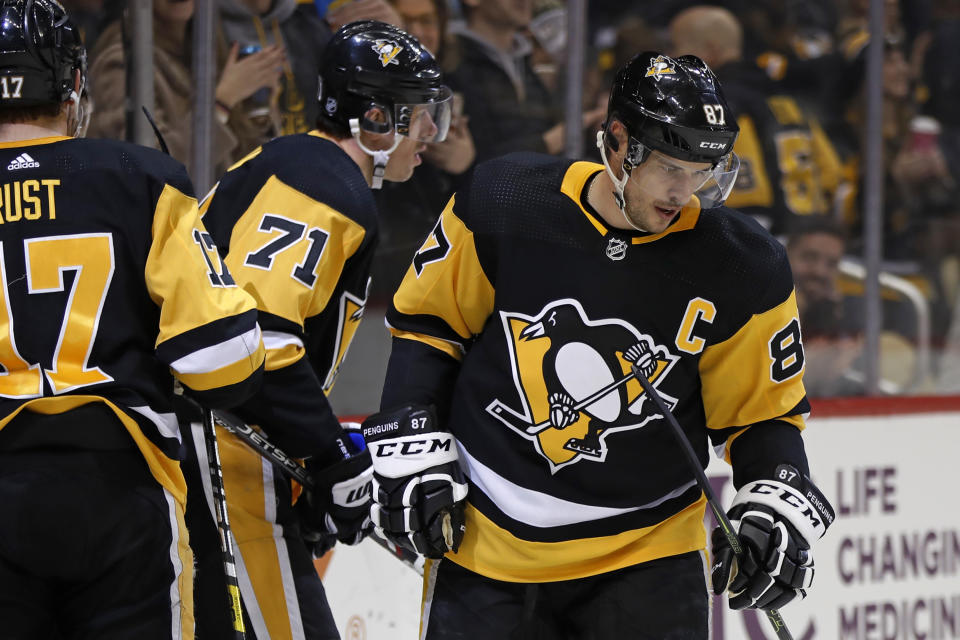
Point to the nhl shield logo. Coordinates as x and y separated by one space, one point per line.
387 50
576 381
331 105
616 249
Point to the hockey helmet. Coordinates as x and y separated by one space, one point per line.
373 65
675 106
40 49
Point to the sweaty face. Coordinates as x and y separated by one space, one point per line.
659 188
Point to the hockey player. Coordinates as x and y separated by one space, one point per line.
297 223
108 284
546 286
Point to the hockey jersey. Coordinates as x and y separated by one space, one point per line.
297 225
109 284
788 166
522 301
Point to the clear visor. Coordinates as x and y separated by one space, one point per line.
425 122
674 181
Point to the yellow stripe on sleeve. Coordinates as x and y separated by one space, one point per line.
180 267
446 281
740 375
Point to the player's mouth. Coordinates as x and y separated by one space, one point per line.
667 212
417 159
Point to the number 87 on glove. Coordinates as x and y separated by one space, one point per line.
418 487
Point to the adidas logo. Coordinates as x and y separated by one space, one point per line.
23 161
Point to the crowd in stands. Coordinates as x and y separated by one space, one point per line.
793 70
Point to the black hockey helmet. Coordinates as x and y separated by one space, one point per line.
40 48
673 105
372 64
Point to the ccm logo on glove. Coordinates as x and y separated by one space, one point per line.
410 447
805 504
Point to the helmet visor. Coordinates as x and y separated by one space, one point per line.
426 121
714 192
681 179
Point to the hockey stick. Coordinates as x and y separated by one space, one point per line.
776 620
223 524
534 429
293 470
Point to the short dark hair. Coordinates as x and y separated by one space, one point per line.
808 225
331 127
22 115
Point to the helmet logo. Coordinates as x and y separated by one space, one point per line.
616 249
331 105
387 50
659 66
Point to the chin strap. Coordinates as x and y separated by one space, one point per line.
82 118
380 158
618 183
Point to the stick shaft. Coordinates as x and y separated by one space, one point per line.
776 620
223 524
593 397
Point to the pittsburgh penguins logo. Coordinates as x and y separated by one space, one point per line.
576 378
387 50
659 66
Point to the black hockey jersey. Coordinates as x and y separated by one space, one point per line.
296 223
109 284
788 166
525 286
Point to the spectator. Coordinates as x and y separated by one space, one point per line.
788 167
426 20
919 193
233 134
832 332
503 95
355 10
268 25
792 42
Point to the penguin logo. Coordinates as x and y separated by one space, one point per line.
616 249
576 381
387 50
659 66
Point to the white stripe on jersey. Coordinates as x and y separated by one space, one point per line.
539 509
166 423
176 598
219 355
279 339
283 554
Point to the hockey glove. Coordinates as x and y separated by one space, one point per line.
419 488
337 508
777 521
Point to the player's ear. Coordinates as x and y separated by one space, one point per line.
377 119
615 135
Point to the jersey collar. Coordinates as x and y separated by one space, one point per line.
32 142
577 177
